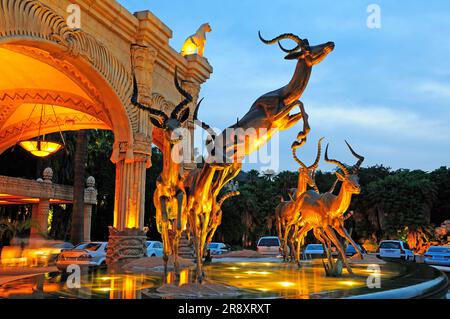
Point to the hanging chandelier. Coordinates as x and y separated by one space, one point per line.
40 147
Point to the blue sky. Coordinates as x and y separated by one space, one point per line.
385 90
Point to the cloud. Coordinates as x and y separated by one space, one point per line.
384 120
435 89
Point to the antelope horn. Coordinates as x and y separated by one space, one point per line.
226 196
182 106
335 162
158 116
359 157
289 36
294 154
319 153
333 187
202 124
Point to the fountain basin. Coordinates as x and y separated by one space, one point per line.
240 278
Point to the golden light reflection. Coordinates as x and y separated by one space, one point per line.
286 284
282 281
251 272
233 268
349 283
184 277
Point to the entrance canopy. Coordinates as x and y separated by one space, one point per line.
37 95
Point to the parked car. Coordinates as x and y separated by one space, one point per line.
351 251
395 249
154 248
91 255
41 253
314 251
438 255
218 248
268 245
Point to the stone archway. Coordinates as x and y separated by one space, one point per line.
83 79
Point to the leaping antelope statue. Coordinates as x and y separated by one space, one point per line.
203 186
268 114
324 213
170 195
271 112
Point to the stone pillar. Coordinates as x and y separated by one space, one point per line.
130 198
39 213
39 219
87 222
89 193
127 236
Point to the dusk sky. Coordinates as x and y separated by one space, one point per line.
387 90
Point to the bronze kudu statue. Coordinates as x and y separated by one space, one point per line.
271 112
170 195
216 216
324 213
287 212
268 114
203 186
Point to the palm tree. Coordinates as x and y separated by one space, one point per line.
76 231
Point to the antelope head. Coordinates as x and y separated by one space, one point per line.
350 181
312 55
170 124
308 172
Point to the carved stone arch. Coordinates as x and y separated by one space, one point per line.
30 21
65 112
11 99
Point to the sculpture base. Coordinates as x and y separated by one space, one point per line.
126 244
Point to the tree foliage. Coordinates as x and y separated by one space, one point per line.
390 201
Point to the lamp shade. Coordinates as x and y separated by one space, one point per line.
41 148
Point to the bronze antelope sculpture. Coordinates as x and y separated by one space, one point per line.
271 112
170 195
216 216
324 213
203 186
287 212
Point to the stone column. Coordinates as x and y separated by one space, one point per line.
39 219
130 198
90 195
87 222
39 213
127 236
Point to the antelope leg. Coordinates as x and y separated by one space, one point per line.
343 232
287 109
332 236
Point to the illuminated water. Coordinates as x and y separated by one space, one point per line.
254 279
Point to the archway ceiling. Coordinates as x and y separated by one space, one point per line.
21 71
28 86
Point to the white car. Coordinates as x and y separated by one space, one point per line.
154 249
395 249
268 245
86 254
218 248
